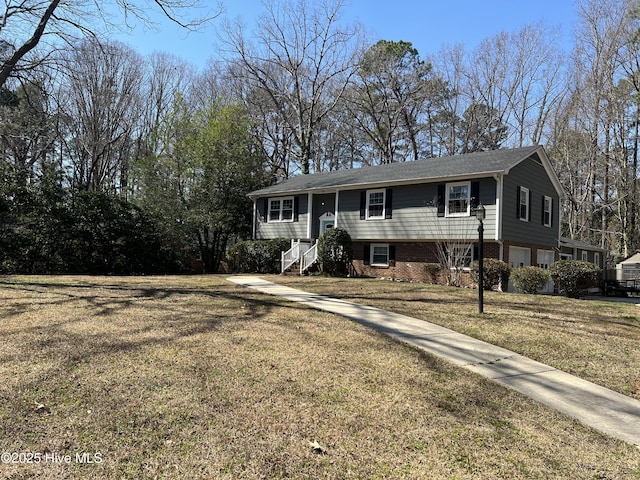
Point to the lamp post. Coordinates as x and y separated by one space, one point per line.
480 215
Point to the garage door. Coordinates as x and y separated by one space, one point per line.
546 258
518 257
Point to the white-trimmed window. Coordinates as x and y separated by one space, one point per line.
545 258
375 204
524 204
458 200
379 255
546 213
280 209
596 259
585 256
461 256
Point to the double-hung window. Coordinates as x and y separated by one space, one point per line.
546 213
458 201
375 204
280 209
523 206
461 256
379 254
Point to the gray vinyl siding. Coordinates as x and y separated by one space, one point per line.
296 229
532 175
414 215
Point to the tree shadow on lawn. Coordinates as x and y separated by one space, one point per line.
58 316
120 297
471 409
96 325
415 295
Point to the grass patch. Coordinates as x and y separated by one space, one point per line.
595 340
193 377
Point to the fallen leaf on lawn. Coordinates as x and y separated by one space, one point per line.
317 448
41 408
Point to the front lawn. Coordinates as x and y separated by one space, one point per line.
194 377
597 340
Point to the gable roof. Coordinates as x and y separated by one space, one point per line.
632 260
471 165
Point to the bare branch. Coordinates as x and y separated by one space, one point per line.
9 65
75 18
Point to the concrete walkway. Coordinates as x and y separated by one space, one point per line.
609 412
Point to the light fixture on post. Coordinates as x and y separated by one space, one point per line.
480 213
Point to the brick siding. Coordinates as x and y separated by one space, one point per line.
412 262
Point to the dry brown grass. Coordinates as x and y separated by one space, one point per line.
193 377
597 340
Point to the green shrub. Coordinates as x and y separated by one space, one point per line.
575 277
530 279
495 273
335 251
257 256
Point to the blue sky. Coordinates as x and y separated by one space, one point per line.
428 24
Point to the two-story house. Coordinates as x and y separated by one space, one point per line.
397 214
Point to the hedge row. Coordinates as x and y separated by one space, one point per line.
257 256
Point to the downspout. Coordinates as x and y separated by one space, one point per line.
335 210
255 219
309 215
499 212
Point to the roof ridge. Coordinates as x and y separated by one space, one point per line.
430 168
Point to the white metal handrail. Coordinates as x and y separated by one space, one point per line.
308 258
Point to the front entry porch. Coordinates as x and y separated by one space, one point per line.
303 254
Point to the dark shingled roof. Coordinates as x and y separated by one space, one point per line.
469 165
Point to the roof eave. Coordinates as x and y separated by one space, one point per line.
372 185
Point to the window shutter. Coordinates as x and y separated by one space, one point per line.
551 212
296 207
441 199
518 201
392 253
475 195
542 216
367 254
265 208
388 203
363 204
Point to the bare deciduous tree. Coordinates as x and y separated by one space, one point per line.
519 77
26 25
103 108
300 64
594 116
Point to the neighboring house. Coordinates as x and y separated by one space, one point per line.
399 214
629 269
576 250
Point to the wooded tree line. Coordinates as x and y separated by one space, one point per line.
133 150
